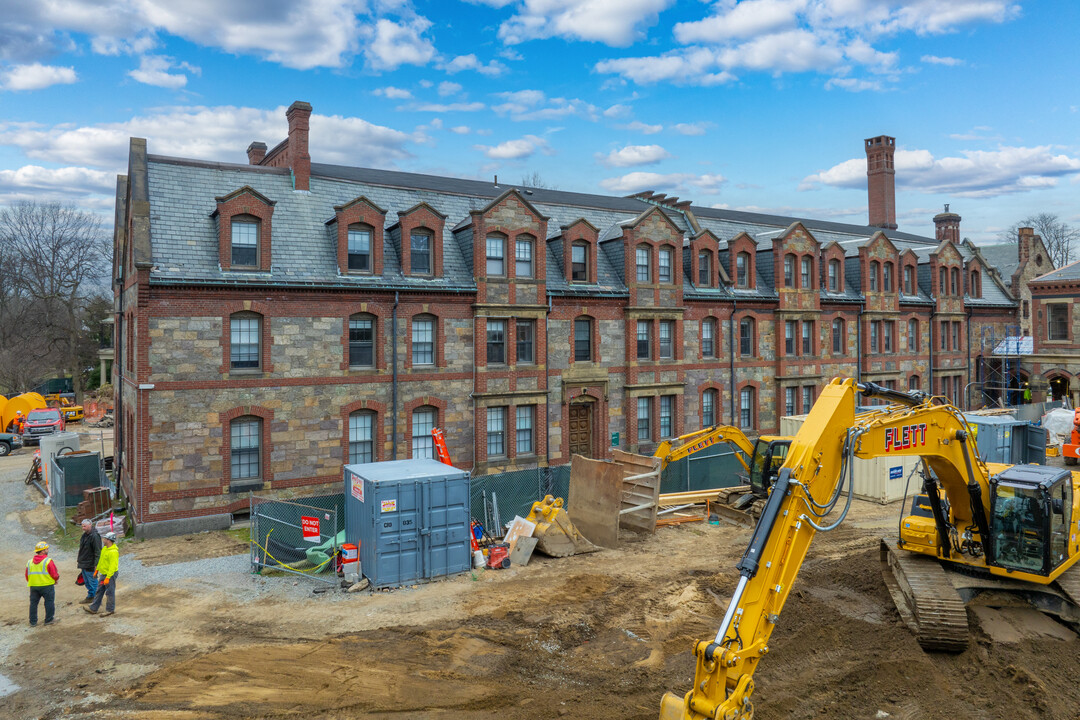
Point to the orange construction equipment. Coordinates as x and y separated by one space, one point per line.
21 403
1071 450
441 453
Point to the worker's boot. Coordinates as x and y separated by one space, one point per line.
86 601
92 612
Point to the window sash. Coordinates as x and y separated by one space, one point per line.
746 337
523 429
789 401
665 257
244 449
578 264
886 336
909 288
361 437
496 248
708 409
245 243
807 398
667 339
644 330
742 266
667 415
361 342
642 260
705 269
420 253
496 341
423 342
789 271
526 339
496 431
644 432
1057 322
359 250
837 336
523 258
913 335
887 277
875 330
244 343
746 411
423 445
708 335
583 340
807 337
834 276
873 276
789 337
806 267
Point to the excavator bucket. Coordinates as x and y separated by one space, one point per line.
555 533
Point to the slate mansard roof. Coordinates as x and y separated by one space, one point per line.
184 238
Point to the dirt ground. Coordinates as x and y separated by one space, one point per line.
596 636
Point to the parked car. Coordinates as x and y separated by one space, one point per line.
9 442
46 421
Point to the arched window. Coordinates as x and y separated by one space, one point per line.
742 270
838 338
524 246
424 337
424 419
421 241
245 341
708 338
245 448
747 408
245 241
583 332
913 335
834 276
955 287
976 285
875 270
789 270
709 401
359 248
943 281
704 269
886 277
666 257
496 254
909 280
643 263
361 341
361 437
579 262
806 282
746 337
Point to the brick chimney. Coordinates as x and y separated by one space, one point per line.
256 152
1025 240
299 115
947 226
881 181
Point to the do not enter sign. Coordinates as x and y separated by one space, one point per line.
310 526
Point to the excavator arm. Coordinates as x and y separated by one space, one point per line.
809 486
685 445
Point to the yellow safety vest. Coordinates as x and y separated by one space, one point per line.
39 573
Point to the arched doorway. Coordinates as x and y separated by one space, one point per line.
1059 388
580 428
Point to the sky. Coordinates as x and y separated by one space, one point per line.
758 105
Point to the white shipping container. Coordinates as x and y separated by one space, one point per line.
880 479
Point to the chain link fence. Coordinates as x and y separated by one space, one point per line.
498 497
302 538
57 494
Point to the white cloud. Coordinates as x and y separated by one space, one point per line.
612 22
514 149
154 70
643 128
935 60
634 155
470 62
617 111
65 180
446 89
445 107
460 130
682 67
36 76
976 174
789 51
695 128
534 105
392 45
392 93
679 182
852 84
749 18
210 133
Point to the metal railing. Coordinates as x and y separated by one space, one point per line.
302 538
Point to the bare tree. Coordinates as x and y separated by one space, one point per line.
59 259
535 180
1058 236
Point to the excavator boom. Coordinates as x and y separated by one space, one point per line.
685 445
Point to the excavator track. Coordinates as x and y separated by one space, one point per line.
1069 583
925 598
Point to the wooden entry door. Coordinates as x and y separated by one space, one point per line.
581 429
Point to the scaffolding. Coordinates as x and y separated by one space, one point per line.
999 380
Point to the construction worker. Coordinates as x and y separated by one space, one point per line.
41 577
89 554
20 422
108 564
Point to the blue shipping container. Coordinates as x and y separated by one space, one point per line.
410 519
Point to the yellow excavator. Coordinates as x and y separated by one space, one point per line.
761 460
1007 528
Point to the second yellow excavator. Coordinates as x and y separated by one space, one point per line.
1009 529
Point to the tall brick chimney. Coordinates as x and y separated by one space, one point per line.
881 181
299 115
1025 239
947 226
256 152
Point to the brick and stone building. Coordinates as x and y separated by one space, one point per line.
278 319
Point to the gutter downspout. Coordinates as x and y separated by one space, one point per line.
547 424
394 383
118 370
859 339
731 347
933 314
967 365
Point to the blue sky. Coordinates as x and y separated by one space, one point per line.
756 105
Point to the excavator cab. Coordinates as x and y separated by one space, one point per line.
769 455
1030 523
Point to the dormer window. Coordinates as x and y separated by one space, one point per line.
886 278
359 248
496 255
834 276
943 281
909 280
665 257
789 271
742 270
704 268
579 262
975 290
875 270
643 261
955 275
523 257
245 241
807 268
420 252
